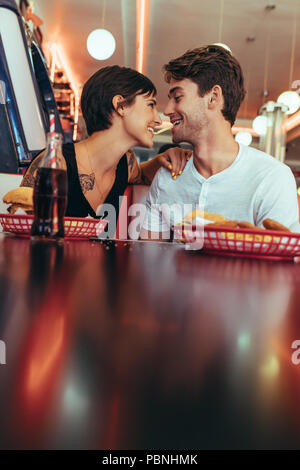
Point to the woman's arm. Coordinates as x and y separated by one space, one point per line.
173 159
29 177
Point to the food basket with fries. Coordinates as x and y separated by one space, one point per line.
223 236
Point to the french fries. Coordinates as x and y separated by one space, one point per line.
270 224
220 221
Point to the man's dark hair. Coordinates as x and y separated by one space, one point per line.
99 90
209 66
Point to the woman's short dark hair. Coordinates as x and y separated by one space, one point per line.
99 90
209 66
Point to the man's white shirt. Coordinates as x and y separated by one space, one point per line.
253 188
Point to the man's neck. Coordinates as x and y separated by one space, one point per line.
215 151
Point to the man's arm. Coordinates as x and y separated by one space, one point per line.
277 198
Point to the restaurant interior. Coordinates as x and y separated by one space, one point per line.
114 344
145 35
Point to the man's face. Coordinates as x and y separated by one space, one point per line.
187 110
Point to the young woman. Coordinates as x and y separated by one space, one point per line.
119 108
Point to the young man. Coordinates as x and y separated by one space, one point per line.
206 88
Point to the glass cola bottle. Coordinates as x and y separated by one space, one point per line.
50 192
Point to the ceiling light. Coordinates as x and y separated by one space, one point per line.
101 44
259 124
290 99
243 138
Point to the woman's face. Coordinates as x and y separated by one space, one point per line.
140 119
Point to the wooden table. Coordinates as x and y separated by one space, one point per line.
146 346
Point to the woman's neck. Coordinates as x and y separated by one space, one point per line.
103 150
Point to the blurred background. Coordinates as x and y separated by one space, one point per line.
145 34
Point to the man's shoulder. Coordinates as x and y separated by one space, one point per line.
165 189
264 160
163 178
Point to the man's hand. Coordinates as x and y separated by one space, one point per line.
174 159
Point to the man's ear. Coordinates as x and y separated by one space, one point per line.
215 97
119 104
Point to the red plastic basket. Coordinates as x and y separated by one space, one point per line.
74 227
241 241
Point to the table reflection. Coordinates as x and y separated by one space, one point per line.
144 345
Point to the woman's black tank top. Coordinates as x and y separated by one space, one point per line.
78 206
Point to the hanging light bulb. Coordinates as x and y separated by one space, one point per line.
259 124
243 138
221 44
101 44
290 99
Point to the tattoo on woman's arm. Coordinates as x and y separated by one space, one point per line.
28 181
87 182
29 177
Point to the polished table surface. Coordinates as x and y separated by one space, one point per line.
146 346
